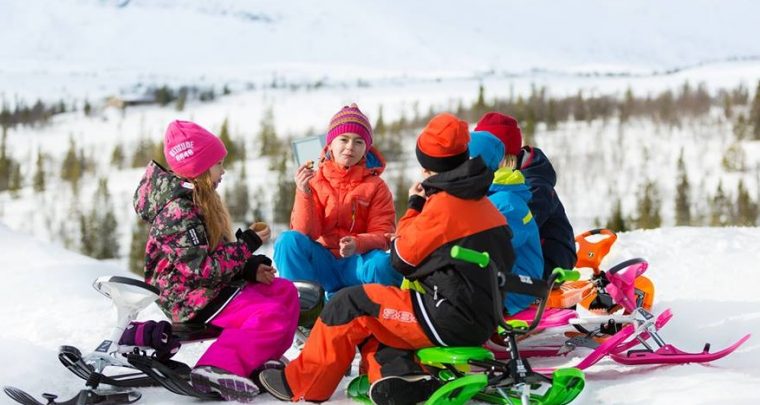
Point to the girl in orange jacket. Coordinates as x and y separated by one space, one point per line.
342 214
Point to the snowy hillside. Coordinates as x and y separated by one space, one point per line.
95 48
707 276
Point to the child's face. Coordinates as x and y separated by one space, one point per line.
348 149
216 172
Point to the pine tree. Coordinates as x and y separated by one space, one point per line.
39 173
181 99
746 209
401 194
144 152
741 127
617 222
720 208
649 207
268 142
117 156
286 192
683 198
99 229
551 115
238 200
137 247
627 108
233 154
16 179
258 205
754 115
5 162
72 169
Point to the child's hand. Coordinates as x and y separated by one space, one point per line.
416 189
303 175
347 246
262 229
265 274
390 236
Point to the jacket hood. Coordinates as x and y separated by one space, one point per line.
513 181
469 181
157 188
534 163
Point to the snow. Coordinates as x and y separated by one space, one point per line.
707 276
403 57
92 48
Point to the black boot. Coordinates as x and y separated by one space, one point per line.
395 390
274 382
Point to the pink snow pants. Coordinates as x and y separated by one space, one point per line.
258 325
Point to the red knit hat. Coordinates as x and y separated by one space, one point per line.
190 149
350 119
442 145
505 128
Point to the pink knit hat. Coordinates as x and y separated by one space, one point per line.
350 119
190 149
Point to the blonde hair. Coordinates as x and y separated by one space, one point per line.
509 161
216 217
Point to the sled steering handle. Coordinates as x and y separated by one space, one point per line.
470 256
561 275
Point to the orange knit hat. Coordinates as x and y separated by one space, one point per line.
442 145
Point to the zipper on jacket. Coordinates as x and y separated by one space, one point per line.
435 293
353 215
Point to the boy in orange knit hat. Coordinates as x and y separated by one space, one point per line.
452 304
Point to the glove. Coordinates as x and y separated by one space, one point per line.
252 266
156 335
250 238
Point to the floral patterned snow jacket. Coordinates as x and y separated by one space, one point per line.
195 282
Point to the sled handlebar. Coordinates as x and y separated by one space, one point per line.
470 256
562 275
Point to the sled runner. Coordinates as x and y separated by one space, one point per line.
127 365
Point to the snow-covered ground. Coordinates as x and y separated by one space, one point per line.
707 276
403 56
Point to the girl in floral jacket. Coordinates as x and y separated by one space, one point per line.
343 213
206 275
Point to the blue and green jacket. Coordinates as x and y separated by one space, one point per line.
511 195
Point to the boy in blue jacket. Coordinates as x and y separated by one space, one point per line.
557 236
510 195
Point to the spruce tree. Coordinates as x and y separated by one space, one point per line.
746 209
71 169
233 154
285 193
720 208
401 194
683 198
617 222
269 145
16 179
238 200
136 260
39 173
754 115
5 163
649 207
117 156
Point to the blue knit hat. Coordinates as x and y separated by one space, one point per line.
488 147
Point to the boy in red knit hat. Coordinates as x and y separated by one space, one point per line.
452 303
557 236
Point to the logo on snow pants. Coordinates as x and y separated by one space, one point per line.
396 315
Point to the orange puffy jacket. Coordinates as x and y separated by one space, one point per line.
343 202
